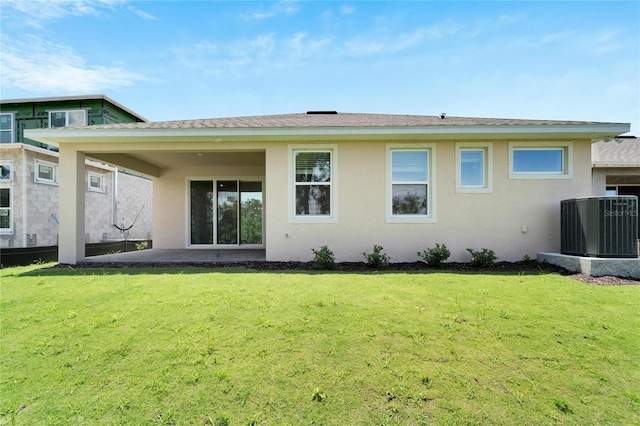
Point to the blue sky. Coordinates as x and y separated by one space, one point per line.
171 60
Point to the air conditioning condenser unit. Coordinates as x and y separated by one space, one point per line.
600 226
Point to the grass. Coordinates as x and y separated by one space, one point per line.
236 347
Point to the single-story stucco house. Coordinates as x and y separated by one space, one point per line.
289 183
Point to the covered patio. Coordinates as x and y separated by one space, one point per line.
172 256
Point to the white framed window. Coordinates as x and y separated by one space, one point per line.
6 127
46 172
95 182
474 167
6 172
312 185
67 118
411 183
543 160
6 209
6 200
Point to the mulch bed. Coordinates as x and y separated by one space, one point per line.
508 267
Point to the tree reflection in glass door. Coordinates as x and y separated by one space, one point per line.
226 212
250 212
227 199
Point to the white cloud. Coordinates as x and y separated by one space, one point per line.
368 45
35 13
251 56
39 65
262 45
300 47
347 10
510 19
141 13
282 7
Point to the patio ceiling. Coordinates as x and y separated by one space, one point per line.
152 162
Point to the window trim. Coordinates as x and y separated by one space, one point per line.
431 216
487 148
12 131
101 176
10 164
567 160
332 217
66 117
36 172
9 230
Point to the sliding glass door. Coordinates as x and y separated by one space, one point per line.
225 212
227 203
250 212
201 209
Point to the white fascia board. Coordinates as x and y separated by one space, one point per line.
615 165
27 147
56 155
56 136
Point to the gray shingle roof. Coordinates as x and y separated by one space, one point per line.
302 120
624 152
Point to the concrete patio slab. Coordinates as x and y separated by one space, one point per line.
204 256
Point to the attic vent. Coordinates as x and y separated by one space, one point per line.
322 112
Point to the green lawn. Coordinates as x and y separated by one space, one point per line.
237 347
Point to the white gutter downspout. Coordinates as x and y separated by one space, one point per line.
25 221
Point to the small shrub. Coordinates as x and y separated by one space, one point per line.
323 259
436 255
483 258
377 259
142 245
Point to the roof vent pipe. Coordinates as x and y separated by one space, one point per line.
322 112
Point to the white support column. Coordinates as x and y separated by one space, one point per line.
71 209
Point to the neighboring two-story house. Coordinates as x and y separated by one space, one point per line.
30 173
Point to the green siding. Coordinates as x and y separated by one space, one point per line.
35 115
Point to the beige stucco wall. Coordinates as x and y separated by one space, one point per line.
494 220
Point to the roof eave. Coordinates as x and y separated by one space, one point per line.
88 134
